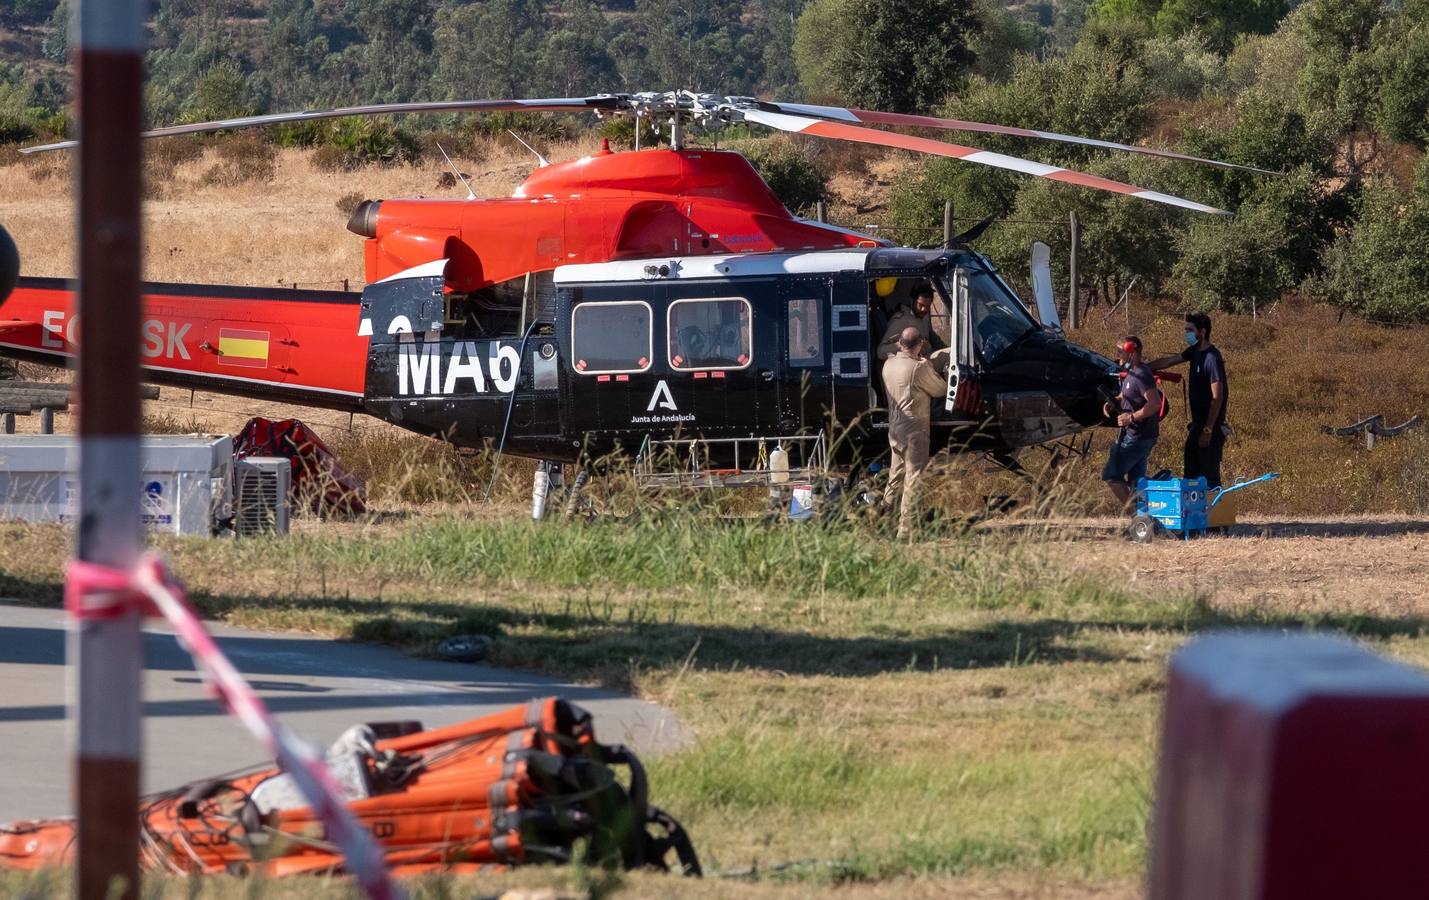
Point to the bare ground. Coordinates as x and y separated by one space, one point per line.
1359 565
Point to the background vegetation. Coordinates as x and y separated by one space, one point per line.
1331 93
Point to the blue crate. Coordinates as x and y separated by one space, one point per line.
1177 504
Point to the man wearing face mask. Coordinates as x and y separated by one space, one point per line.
1209 393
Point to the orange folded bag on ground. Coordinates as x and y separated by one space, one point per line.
520 786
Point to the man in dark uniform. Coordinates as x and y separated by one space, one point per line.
1136 410
1209 394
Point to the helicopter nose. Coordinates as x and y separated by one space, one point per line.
1089 380
1093 380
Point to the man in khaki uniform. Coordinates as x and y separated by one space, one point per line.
910 382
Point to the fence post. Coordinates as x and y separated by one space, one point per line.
822 211
947 224
1074 317
106 653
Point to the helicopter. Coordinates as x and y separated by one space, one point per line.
650 299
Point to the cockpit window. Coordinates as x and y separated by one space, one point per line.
710 333
611 337
998 318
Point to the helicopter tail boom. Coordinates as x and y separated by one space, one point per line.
294 345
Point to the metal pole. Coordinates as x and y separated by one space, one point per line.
947 224
1074 317
822 213
107 654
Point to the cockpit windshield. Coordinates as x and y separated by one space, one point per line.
998 318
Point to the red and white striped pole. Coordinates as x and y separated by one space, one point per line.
107 654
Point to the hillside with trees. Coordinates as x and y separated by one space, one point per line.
1332 95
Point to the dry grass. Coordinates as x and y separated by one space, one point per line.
1291 370
220 217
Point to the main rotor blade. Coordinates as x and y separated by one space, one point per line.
557 104
844 132
874 117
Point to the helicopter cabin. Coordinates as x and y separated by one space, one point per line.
763 347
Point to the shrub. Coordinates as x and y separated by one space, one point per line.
789 170
1272 243
1378 270
241 160
620 131
349 201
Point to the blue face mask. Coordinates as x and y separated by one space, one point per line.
1191 339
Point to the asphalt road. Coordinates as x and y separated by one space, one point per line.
317 686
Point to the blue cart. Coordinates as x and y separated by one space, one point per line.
1180 506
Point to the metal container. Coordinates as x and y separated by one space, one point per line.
186 488
1177 504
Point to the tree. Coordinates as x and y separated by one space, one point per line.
903 57
195 41
1099 90
1250 260
699 46
1379 269
1000 38
1219 21
488 49
1401 51
574 59
778 18
56 43
26 12
393 63
294 48
1337 81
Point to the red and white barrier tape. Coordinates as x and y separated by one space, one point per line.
93 591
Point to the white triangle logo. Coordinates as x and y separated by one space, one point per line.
662 398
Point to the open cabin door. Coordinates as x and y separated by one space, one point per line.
962 399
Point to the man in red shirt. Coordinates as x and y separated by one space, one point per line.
1137 411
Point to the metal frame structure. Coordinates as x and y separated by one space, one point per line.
685 462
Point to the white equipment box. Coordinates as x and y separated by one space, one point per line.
186 487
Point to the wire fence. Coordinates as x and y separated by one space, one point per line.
343 283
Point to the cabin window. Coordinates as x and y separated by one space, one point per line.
998 320
711 334
611 338
806 333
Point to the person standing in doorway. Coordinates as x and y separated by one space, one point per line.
1209 394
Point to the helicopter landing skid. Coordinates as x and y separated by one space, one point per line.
1067 449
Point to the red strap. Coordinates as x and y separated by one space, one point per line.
99 592
93 591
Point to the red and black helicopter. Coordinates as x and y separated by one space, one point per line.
623 298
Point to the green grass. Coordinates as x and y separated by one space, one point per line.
863 711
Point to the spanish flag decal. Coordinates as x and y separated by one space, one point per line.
237 347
